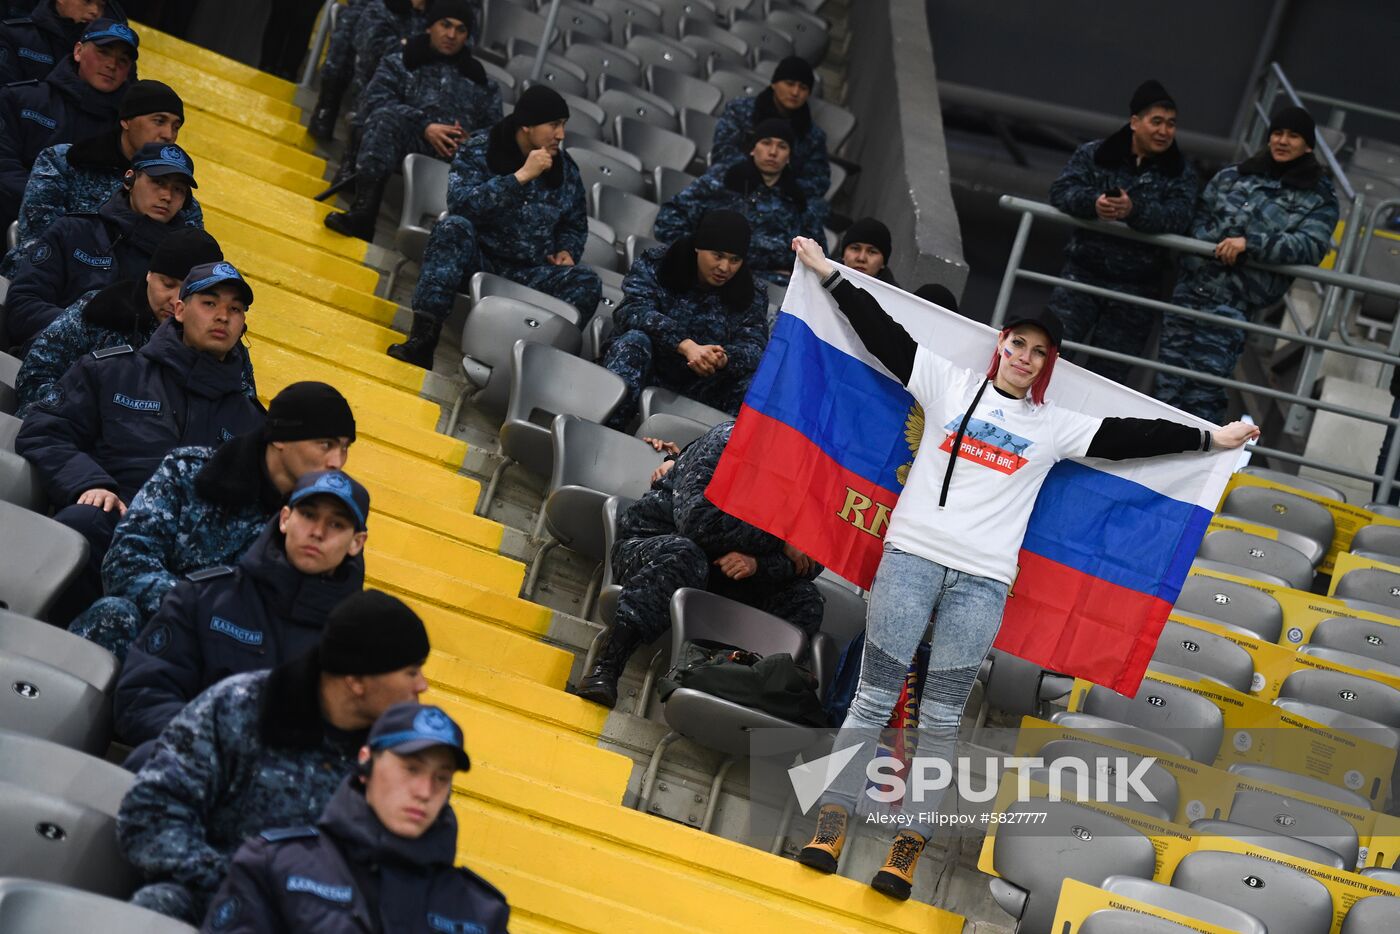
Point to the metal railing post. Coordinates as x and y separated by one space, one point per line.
318 42
550 19
1013 264
1392 460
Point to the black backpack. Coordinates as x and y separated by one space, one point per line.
774 684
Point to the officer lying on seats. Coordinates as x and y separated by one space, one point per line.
84 252
269 608
674 537
265 749
426 99
30 46
764 189
516 208
692 320
380 857
104 428
205 506
77 100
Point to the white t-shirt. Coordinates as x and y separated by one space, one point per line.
1009 447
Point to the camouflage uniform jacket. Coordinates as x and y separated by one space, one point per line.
1163 192
1286 218
379 29
251 753
421 87
202 507
809 157
776 212
517 225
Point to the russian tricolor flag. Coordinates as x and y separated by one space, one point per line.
823 444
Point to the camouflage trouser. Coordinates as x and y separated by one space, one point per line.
340 54
652 569
451 258
172 900
630 356
111 622
1199 347
387 138
1100 322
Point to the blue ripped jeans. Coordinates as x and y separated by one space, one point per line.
906 591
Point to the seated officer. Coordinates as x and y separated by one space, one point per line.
30 46
268 609
381 853
204 506
366 33
103 429
516 208
866 246
763 189
786 99
427 99
75 178
126 312
692 319
77 100
83 252
674 537
265 749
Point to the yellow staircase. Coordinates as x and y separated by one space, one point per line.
541 812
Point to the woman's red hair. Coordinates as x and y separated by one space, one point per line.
1037 393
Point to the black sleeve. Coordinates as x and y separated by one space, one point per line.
1120 438
881 334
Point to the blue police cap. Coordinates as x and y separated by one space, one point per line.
107 31
158 159
338 484
206 276
412 727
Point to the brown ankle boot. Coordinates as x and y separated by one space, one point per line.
896 877
823 852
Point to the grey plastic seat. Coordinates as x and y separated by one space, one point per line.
504 79
1351 660
1281 510
29 906
488 339
1306 484
836 122
19 481
1369 638
843 611
629 215
636 246
1258 553
1373 913
1340 720
673 12
604 58
9 428
599 251
75 655
725 49
58 814
505 21
1120 921
544 382
684 90
626 13
656 399
1382 874
38 559
730 10
1384 509
1234 604
1092 726
622 103
9 372
808 33
581 19
45 701
597 167
573 143
1352 694
1183 902
657 50
838 178
1014 685
1279 813
1287 900
559 73
666 426
1372 585
1207 653
1033 860
486 284
424 199
668 182
764 42
585 117
1165 709
654 145
608 595
699 128
1103 764
1292 781
734 82
1224 567
596 334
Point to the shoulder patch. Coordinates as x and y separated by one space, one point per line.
40 254
22 84
87 259
340 894
223 913
34 55
159 639
43 120
18 21
136 405
117 351
208 574
235 632
278 834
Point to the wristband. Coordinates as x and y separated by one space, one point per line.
830 281
1205 439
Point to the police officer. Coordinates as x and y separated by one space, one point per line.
31 45
78 99
427 99
269 608
83 252
73 178
265 749
1276 207
674 537
1139 177
365 33
866 246
692 319
764 189
125 312
204 506
380 857
516 208
101 432
785 98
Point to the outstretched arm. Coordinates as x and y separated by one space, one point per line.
1122 438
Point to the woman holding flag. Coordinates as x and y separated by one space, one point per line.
954 537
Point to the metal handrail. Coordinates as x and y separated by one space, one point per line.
1338 281
325 23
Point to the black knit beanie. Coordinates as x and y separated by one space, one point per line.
724 231
182 250
772 128
871 231
308 410
371 633
938 294
1148 94
148 97
796 69
539 104
1296 119
450 9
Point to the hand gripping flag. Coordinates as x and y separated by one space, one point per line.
826 436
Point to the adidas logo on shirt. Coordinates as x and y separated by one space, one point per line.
996 413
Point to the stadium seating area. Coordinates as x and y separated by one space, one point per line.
638 819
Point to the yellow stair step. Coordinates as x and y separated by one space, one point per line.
154 40
368 398
288 256
485 643
194 83
513 694
439 517
388 466
207 135
432 552
371 362
242 109
465 599
322 318
275 209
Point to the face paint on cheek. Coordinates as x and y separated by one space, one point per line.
1006 352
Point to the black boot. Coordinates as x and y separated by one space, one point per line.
322 124
600 684
345 171
422 341
359 220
